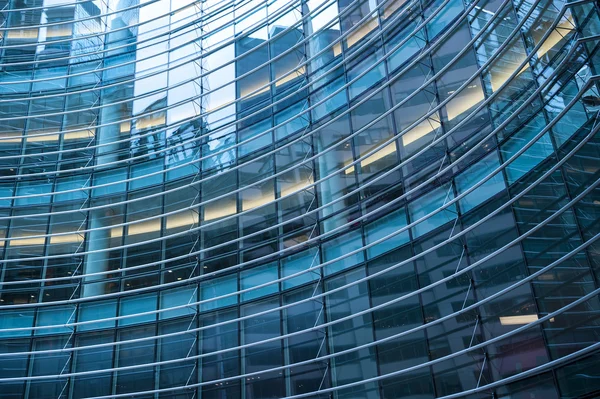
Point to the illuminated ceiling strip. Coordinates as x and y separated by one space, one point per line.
518 320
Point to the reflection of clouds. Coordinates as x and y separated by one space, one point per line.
220 143
289 18
249 15
320 21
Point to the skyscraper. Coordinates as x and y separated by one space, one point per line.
299 198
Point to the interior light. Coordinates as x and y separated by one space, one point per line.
516 320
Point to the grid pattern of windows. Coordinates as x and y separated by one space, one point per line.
299 198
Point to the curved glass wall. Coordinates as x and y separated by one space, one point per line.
299 198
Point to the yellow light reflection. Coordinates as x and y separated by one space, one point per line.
337 49
471 96
51 135
23 34
66 239
561 30
385 151
517 320
389 9
501 73
363 31
59 32
254 198
290 188
150 121
185 219
125 127
419 131
218 210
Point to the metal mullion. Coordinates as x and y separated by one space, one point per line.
325 332
475 298
164 181
421 304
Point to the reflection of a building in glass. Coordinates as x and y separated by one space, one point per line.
299 199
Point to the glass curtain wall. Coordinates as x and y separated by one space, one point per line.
299 198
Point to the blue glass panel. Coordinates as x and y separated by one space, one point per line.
6 191
145 169
95 311
71 183
256 276
535 154
473 175
429 203
342 246
137 304
297 263
33 188
404 53
295 124
176 297
331 104
384 226
16 319
52 316
217 287
444 18
258 142
375 74
110 176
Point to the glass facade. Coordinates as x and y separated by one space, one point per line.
346 199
